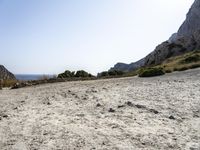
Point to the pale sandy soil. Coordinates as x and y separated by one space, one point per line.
128 113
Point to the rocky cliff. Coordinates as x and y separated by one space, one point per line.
5 74
192 22
128 67
186 39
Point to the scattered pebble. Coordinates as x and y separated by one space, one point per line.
143 143
98 105
120 106
111 110
15 108
130 104
171 117
140 106
84 98
154 111
5 116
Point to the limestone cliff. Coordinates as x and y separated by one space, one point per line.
186 39
5 74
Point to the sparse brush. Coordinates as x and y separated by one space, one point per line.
168 71
190 59
7 83
150 72
44 77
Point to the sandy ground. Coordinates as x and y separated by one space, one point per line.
127 113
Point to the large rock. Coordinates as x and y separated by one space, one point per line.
186 39
5 74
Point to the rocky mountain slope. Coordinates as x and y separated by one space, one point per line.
186 39
128 67
5 74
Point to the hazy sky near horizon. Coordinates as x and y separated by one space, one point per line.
50 36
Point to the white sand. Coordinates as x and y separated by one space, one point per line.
65 116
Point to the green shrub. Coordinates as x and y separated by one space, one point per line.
194 66
66 74
103 74
111 73
191 59
7 83
150 72
82 73
183 68
69 74
168 71
115 73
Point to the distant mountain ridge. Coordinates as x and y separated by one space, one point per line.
128 67
5 74
186 39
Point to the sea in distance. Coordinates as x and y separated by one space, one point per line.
28 77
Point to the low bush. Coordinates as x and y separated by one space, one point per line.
194 66
7 83
150 72
78 74
66 74
83 74
111 73
191 59
168 71
103 74
183 68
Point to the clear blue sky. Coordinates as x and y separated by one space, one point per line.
50 36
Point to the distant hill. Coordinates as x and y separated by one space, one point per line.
5 74
128 67
185 40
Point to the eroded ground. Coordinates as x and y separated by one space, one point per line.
128 113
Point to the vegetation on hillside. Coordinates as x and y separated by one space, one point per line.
7 83
178 63
183 62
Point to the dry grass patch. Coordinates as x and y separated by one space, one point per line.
7 83
183 62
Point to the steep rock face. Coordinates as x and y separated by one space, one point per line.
5 74
168 49
186 39
192 22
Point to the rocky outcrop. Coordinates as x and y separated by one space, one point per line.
192 22
186 39
5 74
168 49
128 67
